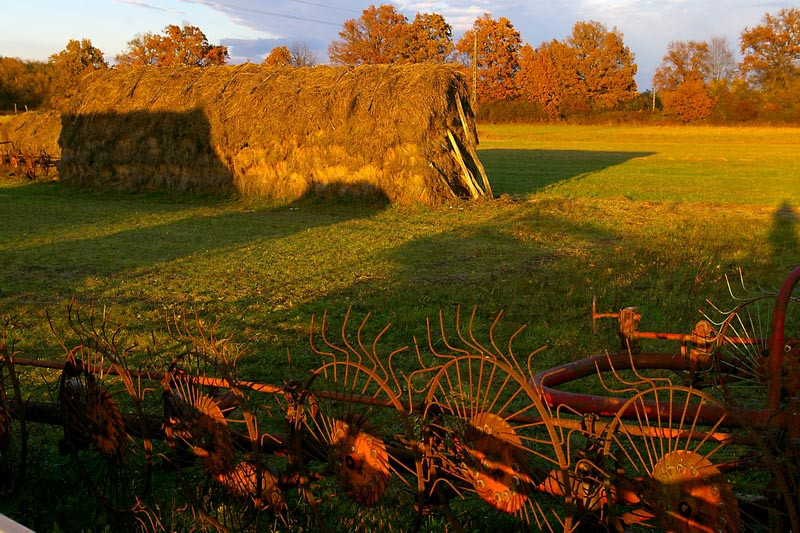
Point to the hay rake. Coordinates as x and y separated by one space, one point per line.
31 163
705 437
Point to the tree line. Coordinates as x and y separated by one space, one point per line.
587 74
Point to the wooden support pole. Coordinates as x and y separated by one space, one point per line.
473 187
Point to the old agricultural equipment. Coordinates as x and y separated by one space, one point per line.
703 436
32 164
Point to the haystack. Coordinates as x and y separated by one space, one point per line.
407 132
32 133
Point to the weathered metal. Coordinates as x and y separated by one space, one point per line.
32 163
473 433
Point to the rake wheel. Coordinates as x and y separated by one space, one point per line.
13 431
492 442
355 431
672 463
742 352
99 436
213 444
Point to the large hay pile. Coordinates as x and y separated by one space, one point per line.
281 132
33 132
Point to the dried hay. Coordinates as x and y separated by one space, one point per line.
405 132
33 132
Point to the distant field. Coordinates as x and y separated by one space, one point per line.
653 217
753 166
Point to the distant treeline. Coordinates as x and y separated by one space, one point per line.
586 77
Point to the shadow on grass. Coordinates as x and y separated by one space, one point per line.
482 266
783 237
60 268
520 172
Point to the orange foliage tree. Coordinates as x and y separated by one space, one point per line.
186 46
24 83
771 50
75 60
430 39
498 44
681 80
689 100
684 61
548 75
383 35
605 66
278 57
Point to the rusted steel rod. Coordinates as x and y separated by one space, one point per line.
546 381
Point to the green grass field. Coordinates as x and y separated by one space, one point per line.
647 216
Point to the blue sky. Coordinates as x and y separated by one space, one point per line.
34 29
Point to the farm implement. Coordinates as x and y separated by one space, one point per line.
704 436
32 164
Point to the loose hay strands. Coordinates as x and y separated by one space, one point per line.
278 132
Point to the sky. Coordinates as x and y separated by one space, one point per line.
35 29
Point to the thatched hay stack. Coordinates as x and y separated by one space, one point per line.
32 132
280 132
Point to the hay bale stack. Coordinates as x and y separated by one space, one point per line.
33 132
279 132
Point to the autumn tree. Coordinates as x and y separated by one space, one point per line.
430 38
24 83
771 50
689 100
605 66
278 57
684 61
75 60
497 59
549 75
681 80
378 36
186 46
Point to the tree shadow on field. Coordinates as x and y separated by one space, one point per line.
59 269
521 172
481 266
146 151
783 239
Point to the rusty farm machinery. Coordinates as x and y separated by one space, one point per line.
31 164
704 436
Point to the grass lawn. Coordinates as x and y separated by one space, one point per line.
647 216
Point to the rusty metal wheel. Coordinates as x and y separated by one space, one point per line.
677 460
741 354
105 430
13 431
356 441
215 449
493 449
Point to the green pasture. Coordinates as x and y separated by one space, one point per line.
649 216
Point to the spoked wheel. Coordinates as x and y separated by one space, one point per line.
365 479
493 447
105 431
672 464
13 432
214 447
742 353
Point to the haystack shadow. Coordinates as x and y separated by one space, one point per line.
515 171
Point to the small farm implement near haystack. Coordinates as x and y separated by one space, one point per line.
702 437
31 163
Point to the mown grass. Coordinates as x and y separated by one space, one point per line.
652 217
